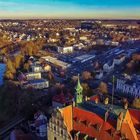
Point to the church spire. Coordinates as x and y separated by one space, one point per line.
79 91
78 88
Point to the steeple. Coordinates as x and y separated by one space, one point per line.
78 92
78 88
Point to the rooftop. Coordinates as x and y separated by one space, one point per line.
101 109
55 61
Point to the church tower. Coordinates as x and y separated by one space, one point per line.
78 92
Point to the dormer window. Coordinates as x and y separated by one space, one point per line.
110 131
96 126
84 122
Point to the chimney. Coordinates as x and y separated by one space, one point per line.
119 121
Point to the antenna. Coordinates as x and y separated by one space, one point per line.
113 90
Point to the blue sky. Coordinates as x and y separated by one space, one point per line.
70 9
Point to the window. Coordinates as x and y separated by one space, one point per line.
57 122
54 128
61 132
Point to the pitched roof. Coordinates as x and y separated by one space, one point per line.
92 124
100 109
135 116
89 120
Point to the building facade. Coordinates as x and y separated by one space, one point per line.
129 90
36 84
57 130
33 75
65 50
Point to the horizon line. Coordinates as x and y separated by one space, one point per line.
63 18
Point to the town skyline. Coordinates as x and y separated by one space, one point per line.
56 9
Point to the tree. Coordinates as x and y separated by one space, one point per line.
9 75
50 76
10 66
18 60
136 103
136 57
74 78
103 88
10 71
86 75
26 66
86 90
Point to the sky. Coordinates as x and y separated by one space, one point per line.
99 9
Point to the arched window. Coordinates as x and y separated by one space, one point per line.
61 132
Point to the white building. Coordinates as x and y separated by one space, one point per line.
55 62
33 75
47 68
65 50
36 68
100 41
83 38
130 90
108 67
37 84
99 74
79 46
119 60
114 43
83 58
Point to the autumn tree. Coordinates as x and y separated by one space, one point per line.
26 66
50 76
136 57
103 88
86 90
74 79
10 71
136 103
86 75
18 59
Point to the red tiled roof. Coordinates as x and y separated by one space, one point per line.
92 125
135 115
